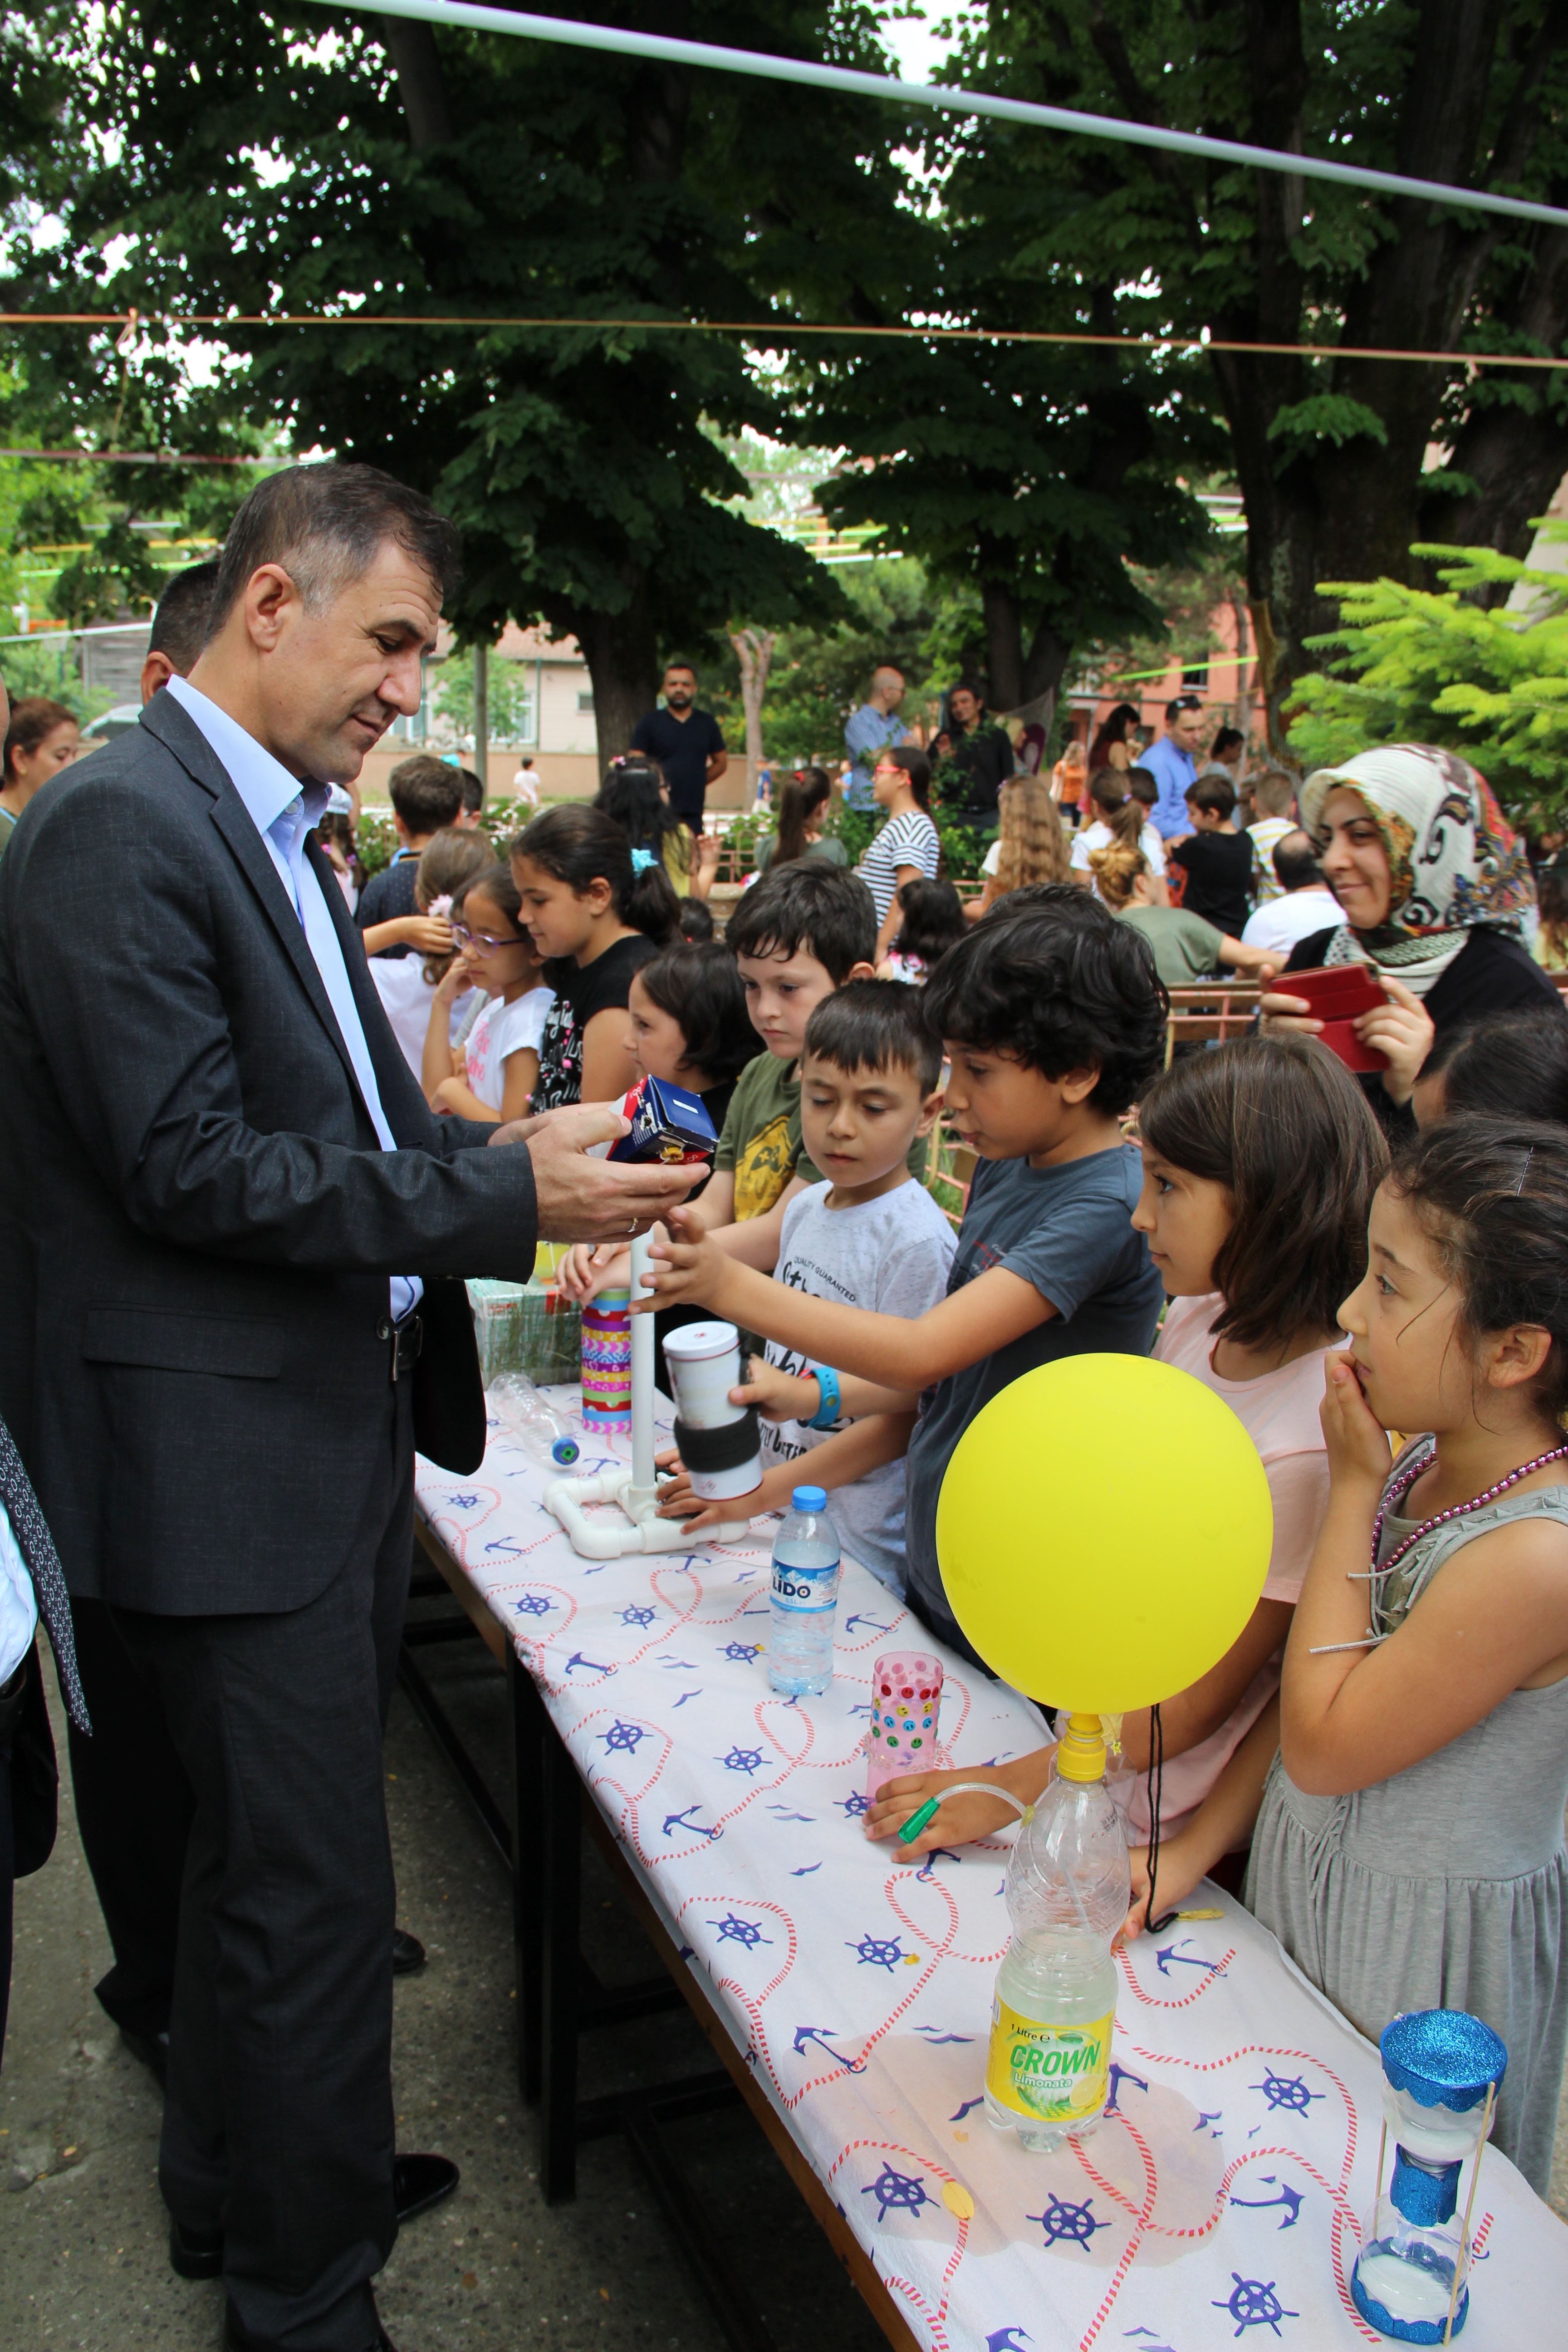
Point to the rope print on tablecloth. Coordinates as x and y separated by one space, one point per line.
863 2015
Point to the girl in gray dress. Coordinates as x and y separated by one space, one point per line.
1410 1850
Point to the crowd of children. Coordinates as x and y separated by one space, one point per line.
1400 1788
1381 1759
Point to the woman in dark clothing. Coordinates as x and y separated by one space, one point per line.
1435 887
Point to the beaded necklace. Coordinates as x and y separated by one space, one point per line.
1396 1492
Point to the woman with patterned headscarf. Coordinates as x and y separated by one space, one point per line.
1435 890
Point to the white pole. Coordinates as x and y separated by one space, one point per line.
643 1479
621 43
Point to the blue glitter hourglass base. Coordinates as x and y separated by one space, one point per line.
1408 2331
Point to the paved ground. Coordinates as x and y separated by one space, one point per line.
83 2228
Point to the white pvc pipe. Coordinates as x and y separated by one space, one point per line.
642 1375
620 43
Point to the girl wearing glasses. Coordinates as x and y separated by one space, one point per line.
492 1073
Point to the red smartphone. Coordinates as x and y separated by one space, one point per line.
1338 993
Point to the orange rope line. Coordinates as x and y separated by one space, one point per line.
779 330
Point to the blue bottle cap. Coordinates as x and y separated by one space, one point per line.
1443 2057
810 1498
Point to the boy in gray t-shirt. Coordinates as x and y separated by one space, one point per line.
889 1254
1053 1019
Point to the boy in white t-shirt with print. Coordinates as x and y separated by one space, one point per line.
868 1236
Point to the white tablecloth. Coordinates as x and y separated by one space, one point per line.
1223 2195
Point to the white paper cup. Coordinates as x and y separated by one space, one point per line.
704 1361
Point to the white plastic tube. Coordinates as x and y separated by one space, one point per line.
621 43
642 1376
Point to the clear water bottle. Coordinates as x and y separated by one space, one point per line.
1069 1887
805 1598
537 1426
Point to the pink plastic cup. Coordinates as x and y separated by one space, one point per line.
905 1699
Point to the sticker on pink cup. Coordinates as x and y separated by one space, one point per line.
906 1699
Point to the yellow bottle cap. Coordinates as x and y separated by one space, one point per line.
1080 1754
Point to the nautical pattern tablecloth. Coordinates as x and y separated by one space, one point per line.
1221 2198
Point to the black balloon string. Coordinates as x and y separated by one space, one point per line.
1156 1780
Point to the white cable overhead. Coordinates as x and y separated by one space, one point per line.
620 42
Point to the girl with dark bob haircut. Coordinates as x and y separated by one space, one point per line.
1289 1136
699 988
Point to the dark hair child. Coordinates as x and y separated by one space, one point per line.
932 921
595 917
1511 1065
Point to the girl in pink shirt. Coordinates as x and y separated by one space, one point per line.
1259 1165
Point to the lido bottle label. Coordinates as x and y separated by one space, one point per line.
805 1590
1050 2073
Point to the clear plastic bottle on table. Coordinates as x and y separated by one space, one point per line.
804 1603
1069 1887
539 1429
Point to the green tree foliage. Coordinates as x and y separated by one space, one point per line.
820 674
1331 455
1028 479
509 688
1449 667
260 160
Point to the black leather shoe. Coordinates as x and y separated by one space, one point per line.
418 2182
153 2050
407 1953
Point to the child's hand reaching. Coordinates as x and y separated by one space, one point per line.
959 1820
589 1267
677 1501
1357 1440
685 1268
778 1396
1181 1868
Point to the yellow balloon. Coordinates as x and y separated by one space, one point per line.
1103 1532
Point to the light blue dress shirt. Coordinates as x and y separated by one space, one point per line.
867 736
18 1609
1175 772
283 810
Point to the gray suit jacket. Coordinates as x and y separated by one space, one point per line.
197 1221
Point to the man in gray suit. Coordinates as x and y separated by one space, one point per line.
231 1244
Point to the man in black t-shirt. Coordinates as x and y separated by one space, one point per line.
975 757
684 741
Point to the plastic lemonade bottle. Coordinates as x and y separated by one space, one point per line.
805 1598
1068 1886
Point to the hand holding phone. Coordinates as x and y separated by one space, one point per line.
1335 995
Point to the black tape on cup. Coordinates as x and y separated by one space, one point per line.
718 1449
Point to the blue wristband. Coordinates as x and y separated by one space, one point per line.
826 1413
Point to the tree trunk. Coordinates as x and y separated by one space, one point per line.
1515 449
421 85
1350 509
482 712
1004 643
622 653
754 652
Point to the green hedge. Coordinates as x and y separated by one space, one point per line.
375 835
